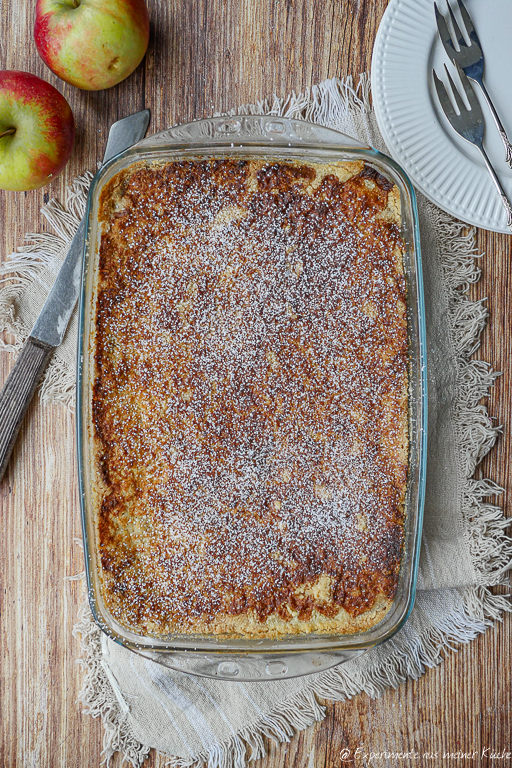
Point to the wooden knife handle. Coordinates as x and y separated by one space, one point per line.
17 394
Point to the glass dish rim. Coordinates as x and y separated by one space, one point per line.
333 142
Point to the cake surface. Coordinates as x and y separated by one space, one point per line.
250 397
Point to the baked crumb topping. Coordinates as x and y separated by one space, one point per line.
250 397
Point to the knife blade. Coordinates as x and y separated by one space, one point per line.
49 329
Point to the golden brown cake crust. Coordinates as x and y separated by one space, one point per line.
250 397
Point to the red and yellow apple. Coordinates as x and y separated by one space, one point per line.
36 131
92 44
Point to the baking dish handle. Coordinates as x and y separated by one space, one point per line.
251 668
250 130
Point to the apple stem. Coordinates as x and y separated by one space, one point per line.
8 132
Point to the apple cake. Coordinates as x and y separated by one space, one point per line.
250 397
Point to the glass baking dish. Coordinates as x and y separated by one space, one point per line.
261 659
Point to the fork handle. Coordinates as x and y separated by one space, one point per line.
499 124
497 182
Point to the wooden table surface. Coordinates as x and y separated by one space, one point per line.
206 56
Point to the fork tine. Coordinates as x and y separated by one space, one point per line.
456 28
468 89
444 32
466 18
456 95
444 99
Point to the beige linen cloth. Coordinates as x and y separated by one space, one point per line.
464 550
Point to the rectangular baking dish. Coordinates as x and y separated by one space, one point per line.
272 138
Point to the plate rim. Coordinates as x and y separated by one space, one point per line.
465 215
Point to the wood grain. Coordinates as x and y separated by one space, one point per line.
206 56
17 393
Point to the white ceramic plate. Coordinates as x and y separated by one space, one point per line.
447 169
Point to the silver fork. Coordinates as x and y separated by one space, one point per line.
469 123
471 59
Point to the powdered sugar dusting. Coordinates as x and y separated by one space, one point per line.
250 394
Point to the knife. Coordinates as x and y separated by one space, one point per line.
50 326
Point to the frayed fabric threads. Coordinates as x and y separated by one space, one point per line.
99 697
490 547
25 280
